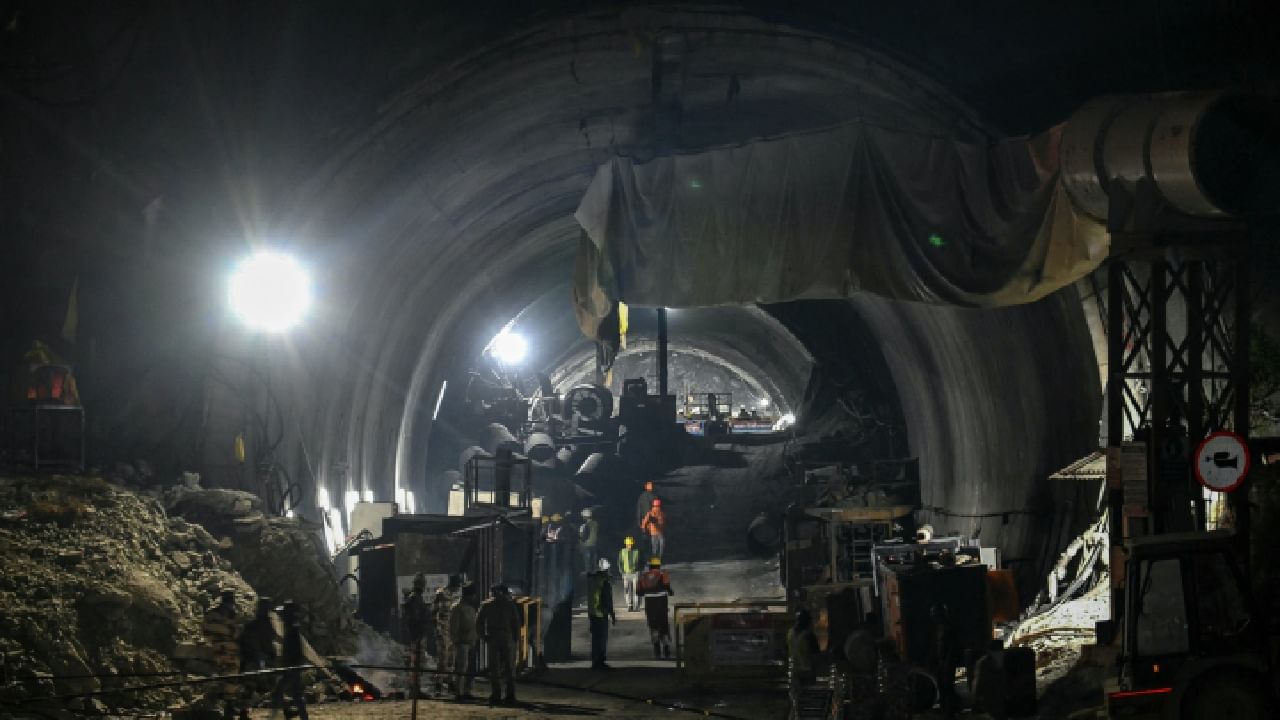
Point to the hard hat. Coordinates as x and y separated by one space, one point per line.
604 565
587 513
556 517
629 541
648 486
657 502
655 561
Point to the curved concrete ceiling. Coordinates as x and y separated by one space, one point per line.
428 163
459 195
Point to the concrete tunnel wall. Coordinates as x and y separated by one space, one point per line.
474 173
427 162
466 239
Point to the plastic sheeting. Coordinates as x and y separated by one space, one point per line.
828 214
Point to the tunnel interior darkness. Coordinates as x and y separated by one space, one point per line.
432 198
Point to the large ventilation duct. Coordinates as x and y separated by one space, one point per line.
1209 155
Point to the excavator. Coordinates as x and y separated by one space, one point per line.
1194 646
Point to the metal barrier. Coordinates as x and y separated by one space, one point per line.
530 632
748 643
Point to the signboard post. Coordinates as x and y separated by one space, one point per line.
1222 461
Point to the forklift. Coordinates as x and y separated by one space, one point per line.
1193 644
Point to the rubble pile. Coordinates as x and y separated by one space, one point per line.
283 558
97 583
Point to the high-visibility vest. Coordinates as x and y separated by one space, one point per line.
628 561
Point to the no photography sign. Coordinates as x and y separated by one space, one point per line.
1222 461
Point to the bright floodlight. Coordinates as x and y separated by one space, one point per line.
509 348
270 291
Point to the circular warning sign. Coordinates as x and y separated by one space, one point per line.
1222 461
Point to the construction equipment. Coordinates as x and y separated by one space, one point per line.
1193 645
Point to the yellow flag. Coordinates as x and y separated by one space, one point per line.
72 321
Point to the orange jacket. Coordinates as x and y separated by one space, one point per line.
655 522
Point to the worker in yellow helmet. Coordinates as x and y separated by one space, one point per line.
655 586
629 566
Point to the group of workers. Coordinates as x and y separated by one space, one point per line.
651 587
450 627
643 587
249 647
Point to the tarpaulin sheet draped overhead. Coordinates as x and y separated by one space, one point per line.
827 214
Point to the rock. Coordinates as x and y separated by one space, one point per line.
151 596
181 559
192 651
105 602
69 558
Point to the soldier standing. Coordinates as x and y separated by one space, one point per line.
419 629
441 604
290 656
257 650
498 625
219 628
462 632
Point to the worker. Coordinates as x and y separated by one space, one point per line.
419 629
599 612
554 530
257 652
990 683
654 585
441 604
942 658
802 647
291 656
588 536
629 566
498 625
655 526
462 633
644 502
220 626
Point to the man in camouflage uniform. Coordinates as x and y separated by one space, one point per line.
498 624
419 629
441 604
220 627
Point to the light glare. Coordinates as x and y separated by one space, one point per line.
509 348
269 291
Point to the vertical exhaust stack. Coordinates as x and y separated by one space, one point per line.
1210 155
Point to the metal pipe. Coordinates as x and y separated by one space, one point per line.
1213 154
662 354
539 447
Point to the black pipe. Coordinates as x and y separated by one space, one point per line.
662 355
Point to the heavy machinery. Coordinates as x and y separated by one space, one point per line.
1193 646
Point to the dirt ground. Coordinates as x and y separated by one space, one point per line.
637 687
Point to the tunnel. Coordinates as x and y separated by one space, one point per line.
428 168
462 191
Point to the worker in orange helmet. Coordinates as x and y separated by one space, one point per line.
654 586
654 525
644 502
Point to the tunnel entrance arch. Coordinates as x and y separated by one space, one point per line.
461 192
